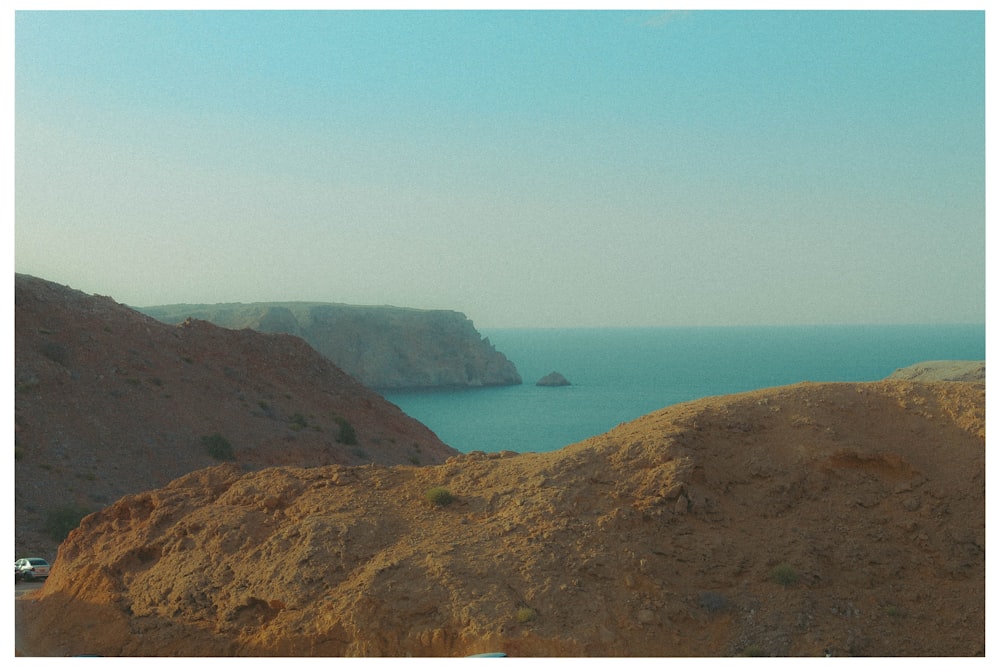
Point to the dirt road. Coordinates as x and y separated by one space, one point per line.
20 588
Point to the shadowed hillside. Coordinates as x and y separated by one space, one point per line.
794 521
109 402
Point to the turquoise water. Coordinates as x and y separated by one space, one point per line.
620 374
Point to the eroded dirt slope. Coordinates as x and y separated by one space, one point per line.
847 518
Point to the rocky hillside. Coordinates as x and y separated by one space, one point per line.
110 402
793 521
934 371
384 347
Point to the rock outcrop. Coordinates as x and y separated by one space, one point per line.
785 522
110 402
383 347
553 379
952 371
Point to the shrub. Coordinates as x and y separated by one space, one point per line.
55 352
526 614
784 575
347 435
754 651
712 602
61 520
298 421
439 496
218 447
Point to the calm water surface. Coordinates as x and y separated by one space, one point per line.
620 374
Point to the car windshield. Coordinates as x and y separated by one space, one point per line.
37 561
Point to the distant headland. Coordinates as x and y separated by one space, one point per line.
383 347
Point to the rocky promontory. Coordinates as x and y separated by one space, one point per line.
383 347
950 371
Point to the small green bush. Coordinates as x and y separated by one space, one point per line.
218 447
60 521
347 435
439 496
713 602
784 575
56 352
298 421
526 614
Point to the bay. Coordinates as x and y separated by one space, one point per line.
620 374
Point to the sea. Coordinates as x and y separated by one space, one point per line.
620 374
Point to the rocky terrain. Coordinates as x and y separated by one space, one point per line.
933 371
110 402
384 347
844 519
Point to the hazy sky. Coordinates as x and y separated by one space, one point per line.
525 168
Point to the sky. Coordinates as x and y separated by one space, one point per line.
527 168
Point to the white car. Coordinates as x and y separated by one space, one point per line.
30 569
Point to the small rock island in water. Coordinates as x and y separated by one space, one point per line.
553 379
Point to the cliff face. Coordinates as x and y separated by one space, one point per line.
383 347
110 402
791 521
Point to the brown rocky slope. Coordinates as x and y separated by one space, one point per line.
847 518
110 402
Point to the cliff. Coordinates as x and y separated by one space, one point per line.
110 402
796 521
384 347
